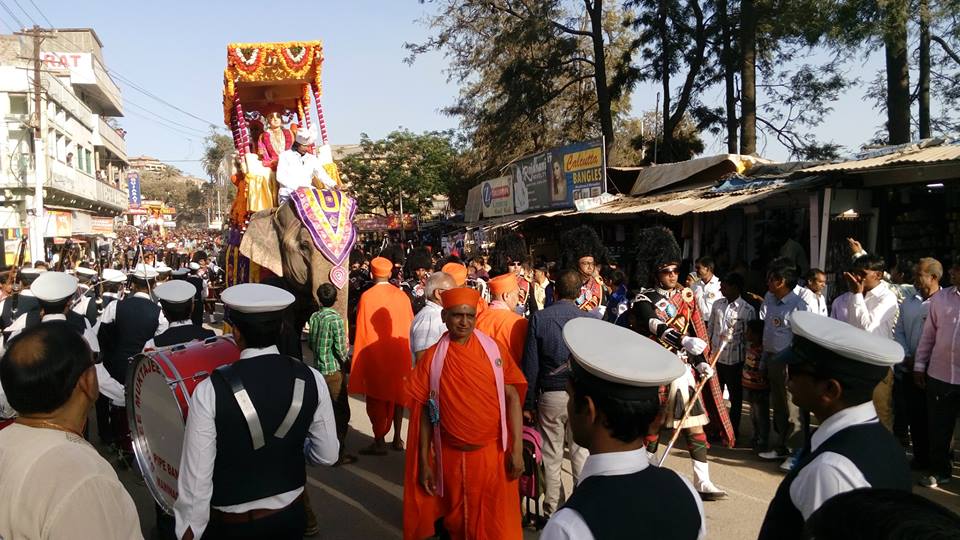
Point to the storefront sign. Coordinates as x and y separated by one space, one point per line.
557 178
79 65
57 223
497 197
133 190
373 222
471 213
101 225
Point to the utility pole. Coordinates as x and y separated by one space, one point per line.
35 222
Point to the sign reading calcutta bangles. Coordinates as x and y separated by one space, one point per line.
558 177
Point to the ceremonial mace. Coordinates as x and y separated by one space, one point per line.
727 338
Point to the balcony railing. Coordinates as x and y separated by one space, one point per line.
67 181
112 140
111 196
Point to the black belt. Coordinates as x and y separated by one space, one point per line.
251 515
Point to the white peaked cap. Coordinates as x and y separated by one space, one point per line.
54 286
619 355
256 298
175 292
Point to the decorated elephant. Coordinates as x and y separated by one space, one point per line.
283 243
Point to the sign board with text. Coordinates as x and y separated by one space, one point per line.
559 177
78 65
133 190
497 197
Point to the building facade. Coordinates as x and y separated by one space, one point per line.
85 158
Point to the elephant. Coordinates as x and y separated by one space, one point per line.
277 240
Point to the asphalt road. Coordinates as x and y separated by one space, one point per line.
364 500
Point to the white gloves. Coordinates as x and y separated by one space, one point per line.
705 370
693 345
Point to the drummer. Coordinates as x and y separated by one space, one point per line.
176 300
54 291
126 325
241 470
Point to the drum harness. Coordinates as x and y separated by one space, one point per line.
250 412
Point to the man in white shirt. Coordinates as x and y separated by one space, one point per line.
728 320
297 167
814 292
706 289
241 470
833 370
613 493
873 307
55 484
428 325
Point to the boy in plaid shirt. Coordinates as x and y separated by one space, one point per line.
328 341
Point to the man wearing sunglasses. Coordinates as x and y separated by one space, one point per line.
667 312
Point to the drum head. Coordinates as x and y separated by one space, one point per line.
157 427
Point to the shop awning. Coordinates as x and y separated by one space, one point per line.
512 221
701 200
691 173
924 152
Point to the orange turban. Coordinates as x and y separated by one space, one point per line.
461 296
457 271
503 284
382 267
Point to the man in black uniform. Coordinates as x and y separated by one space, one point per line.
190 276
177 299
20 302
251 425
613 401
833 369
666 312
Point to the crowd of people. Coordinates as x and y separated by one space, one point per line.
505 366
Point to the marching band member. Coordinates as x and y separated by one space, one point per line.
667 313
615 399
176 300
584 252
17 304
241 470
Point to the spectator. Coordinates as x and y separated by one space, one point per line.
778 305
618 305
328 341
755 386
727 321
542 285
428 324
545 355
814 291
55 484
706 288
909 400
936 367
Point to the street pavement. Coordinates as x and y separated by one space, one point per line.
364 500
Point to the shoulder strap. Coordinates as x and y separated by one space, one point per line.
296 403
246 405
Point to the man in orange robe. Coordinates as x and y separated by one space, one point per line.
459 273
474 489
501 321
381 355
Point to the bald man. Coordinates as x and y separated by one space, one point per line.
428 324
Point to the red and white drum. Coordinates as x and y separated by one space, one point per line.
159 386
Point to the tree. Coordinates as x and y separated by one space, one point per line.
533 74
217 148
402 165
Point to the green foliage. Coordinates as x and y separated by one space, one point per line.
174 190
416 166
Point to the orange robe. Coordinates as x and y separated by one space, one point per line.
381 353
507 328
479 502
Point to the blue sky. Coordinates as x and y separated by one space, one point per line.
177 51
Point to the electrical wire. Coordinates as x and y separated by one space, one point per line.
17 2
12 14
186 134
44 17
154 97
141 107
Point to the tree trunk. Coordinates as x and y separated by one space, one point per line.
898 72
595 9
666 141
748 77
924 68
729 69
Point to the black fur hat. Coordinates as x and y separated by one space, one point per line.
393 252
511 247
656 248
581 242
420 258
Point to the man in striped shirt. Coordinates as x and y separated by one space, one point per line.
328 341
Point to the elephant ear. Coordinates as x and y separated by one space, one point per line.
260 242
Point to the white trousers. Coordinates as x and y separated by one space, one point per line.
555 429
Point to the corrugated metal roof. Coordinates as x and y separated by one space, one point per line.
913 154
706 169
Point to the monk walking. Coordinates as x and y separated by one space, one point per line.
501 321
381 355
465 450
